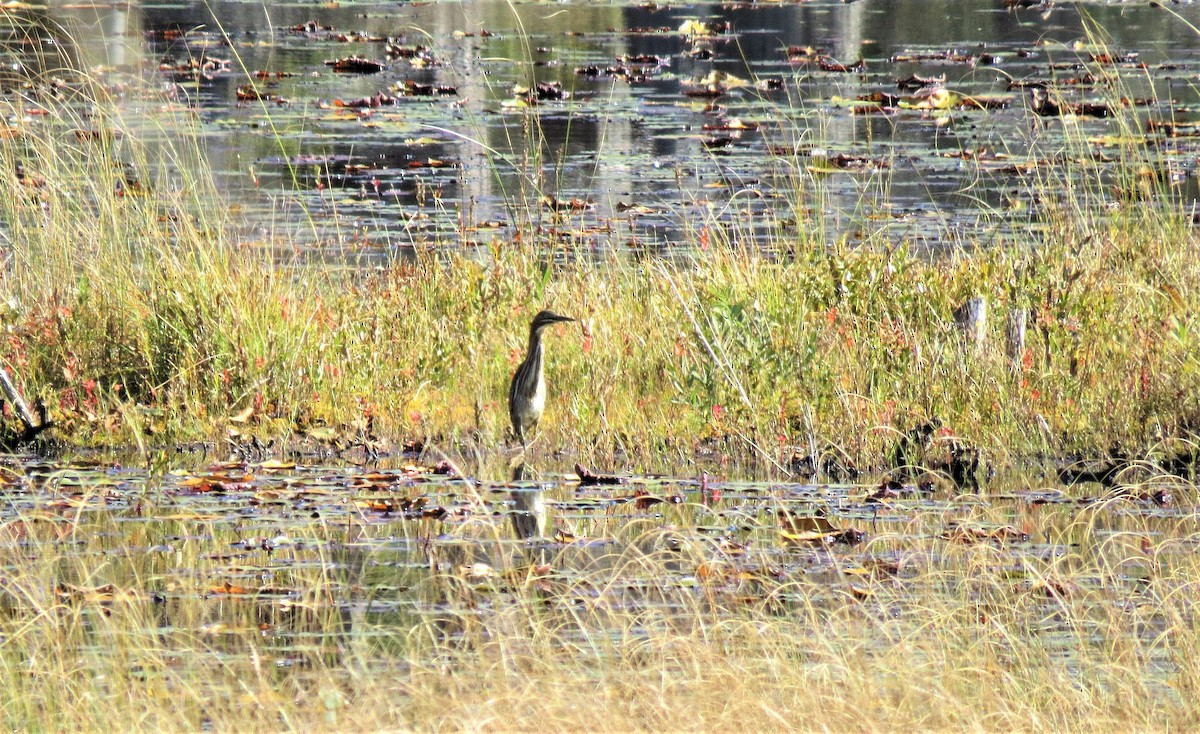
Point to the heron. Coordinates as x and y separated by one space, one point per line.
527 393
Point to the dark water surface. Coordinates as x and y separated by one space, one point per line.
635 139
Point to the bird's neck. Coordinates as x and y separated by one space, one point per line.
534 355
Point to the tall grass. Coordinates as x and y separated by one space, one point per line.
138 317
135 311
650 630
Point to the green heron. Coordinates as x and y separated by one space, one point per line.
527 393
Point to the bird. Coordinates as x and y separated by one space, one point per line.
527 392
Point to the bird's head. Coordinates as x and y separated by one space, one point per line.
546 318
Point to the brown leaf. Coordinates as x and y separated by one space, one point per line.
792 523
356 65
588 478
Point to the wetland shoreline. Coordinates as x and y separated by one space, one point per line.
245 520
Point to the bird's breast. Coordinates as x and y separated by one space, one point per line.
538 403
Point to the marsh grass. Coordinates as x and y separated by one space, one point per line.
132 310
140 319
110 617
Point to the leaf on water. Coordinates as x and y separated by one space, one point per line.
985 102
643 500
276 465
588 478
217 483
477 572
406 505
377 100
846 162
356 65
933 98
723 79
814 530
914 81
635 208
375 480
1173 129
876 99
442 468
828 64
569 205
804 54
965 532
700 29
230 589
227 466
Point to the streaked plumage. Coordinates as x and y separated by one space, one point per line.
527 392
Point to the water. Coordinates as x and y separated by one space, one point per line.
250 544
636 157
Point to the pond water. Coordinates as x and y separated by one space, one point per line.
654 120
307 555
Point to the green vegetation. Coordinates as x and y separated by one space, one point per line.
262 600
131 311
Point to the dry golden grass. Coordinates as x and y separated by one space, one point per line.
140 320
650 627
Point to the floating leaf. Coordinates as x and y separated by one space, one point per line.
277 465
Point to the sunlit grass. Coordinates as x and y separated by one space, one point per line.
140 320
135 316
133 312
651 629
126 324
